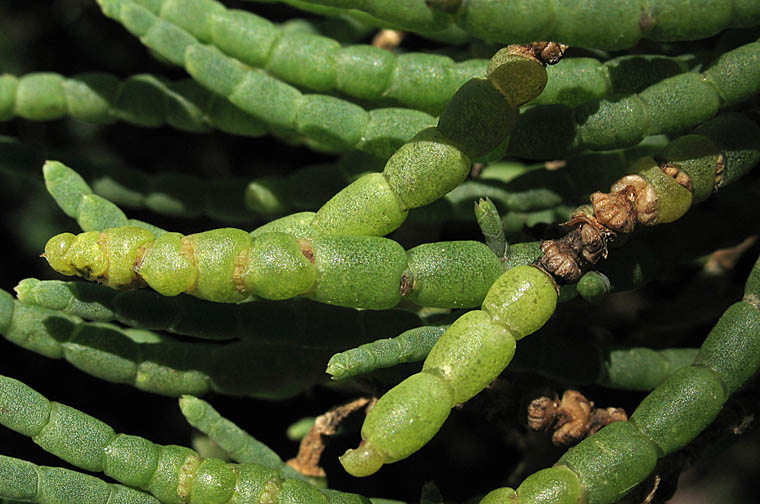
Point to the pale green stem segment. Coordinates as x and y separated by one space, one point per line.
280 357
451 35
490 225
173 474
637 368
77 200
526 193
229 265
241 446
272 322
310 187
324 122
413 345
668 106
604 467
476 121
574 81
415 80
143 100
22 481
173 194
472 352
590 24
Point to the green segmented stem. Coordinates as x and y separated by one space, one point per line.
477 120
307 188
142 100
471 353
533 196
310 187
289 356
637 368
671 105
173 474
417 80
481 347
147 361
77 200
410 346
326 122
642 368
241 446
574 81
421 81
605 466
719 152
263 321
588 23
229 265
22 481
344 29
184 315
174 194
451 35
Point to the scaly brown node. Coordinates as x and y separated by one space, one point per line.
565 258
645 198
560 258
630 200
615 210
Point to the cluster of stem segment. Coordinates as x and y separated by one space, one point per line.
407 416
173 474
248 80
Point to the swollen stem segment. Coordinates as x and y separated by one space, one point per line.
469 356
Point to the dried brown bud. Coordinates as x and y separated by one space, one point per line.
573 422
548 52
645 196
542 412
594 246
615 210
573 418
560 260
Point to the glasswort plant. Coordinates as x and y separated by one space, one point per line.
607 149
